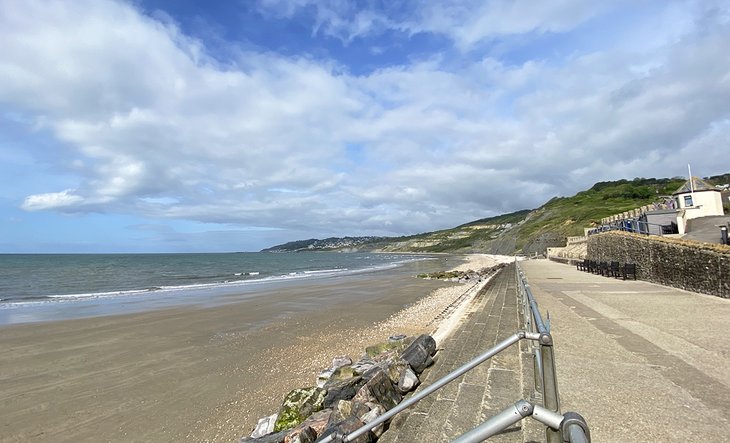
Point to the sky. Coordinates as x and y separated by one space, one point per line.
190 126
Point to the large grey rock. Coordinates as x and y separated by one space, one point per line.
381 390
387 355
374 370
342 390
264 426
348 426
376 411
301 435
418 358
324 376
298 405
340 374
309 429
342 360
418 354
271 438
363 365
427 342
347 408
359 409
340 411
319 420
364 396
395 368
395 344
408 381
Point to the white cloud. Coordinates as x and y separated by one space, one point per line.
340 19
150 124
465 22
469 22
52 200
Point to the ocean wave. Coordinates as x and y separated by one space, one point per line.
322 271
182 290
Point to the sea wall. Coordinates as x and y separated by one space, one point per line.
694 266
573 252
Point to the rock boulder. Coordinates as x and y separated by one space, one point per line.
298 405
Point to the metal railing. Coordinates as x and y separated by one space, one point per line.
636 226
569 427
545 377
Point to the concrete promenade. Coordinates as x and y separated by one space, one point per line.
641 362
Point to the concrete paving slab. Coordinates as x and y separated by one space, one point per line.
466 409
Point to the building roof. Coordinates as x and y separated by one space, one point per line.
697 183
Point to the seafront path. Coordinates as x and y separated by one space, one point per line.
641 362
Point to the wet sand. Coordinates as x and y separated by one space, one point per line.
199 373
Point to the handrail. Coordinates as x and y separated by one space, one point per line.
543 353
541 328
569 427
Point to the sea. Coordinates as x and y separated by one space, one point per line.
36 287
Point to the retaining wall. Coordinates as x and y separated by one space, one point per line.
694 266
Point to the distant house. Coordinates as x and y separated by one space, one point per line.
694 199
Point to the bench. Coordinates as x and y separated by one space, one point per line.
592 266
603 268
614 269
629 269
582 266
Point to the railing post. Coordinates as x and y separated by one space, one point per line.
574 428
549 385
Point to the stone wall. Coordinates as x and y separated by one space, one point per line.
572 253
694 266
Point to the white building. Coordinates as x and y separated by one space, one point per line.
697 198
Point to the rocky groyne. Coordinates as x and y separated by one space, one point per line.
349 394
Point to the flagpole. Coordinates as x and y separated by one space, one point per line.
691 185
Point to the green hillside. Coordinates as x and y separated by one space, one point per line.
531 231
569 216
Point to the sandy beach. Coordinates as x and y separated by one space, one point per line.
202 373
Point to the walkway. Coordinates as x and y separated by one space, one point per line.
706 229
641 362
